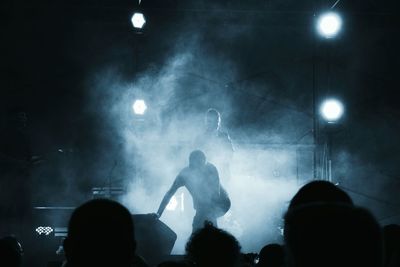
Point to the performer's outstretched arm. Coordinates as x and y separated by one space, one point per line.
175 186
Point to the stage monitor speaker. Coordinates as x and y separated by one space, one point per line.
155 239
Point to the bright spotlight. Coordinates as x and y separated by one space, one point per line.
138 20
332 110
329 24
139 107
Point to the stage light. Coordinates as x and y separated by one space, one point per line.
44 230
139 107
329 24
173 203
138 20
331 110
176 202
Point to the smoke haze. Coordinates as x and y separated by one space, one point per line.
256 64
155 147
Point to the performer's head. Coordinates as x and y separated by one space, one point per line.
213 119
197 159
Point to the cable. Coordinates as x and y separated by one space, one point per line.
335 4
371 197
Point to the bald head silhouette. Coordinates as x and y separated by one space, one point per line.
100 233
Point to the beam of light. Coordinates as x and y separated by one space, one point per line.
177 201
139 107
329 24
173 203
138 20
331 110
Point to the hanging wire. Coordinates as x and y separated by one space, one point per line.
387 203
335 4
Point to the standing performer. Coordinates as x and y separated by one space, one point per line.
201 179
216 143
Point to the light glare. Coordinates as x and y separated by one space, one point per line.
173 203
331 110
138 20
139 107
329 24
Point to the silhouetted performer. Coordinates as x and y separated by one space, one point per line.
202 181
216 143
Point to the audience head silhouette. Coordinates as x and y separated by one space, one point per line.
332 235
391 240
100 233
174 264
271 255
10 252
211 246
319 191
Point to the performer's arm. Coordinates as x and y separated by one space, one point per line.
175 186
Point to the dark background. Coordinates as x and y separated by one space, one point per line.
50 50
